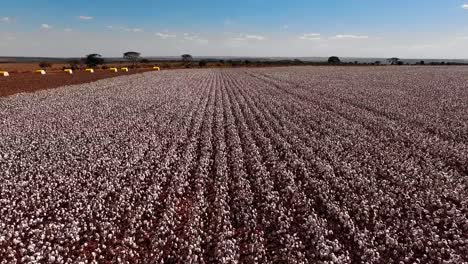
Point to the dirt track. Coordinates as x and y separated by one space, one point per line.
29 82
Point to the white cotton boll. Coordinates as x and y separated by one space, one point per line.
31 247
238 159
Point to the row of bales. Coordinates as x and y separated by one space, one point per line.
133 60
92 63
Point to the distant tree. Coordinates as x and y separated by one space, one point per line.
145 61
400 63
422 62
45 64
221 61
132 56
93 60
298 61
334 60
378 62
393 61
187 58
247 62
202 63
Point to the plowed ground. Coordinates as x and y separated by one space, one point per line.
30 82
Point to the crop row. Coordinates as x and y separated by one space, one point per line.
283 165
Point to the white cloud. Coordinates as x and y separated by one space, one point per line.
350 37
85 17
255 37
465 6
124 29
201 41
165 35
248 37
68 30
195 38
5 19
46 26
188 36
284 27
310 36
237 39
131 29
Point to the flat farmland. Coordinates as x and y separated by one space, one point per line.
266 165
28 82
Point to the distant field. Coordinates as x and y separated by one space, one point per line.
26 67
260 165
29 82
29 67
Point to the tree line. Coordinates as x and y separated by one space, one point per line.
187 61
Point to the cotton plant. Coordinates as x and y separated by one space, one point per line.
267 165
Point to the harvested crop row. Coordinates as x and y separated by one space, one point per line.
30 82
282 165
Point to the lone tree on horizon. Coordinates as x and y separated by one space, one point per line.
187 58
132 56
93 60
334 60
394 61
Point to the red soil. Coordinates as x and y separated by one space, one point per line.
29 82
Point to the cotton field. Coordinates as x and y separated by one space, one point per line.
267 165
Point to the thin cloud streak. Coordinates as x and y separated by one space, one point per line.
311 36
164 35
194 38
85 17
255 37
243 37
345 36
126 29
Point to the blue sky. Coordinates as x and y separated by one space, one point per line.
363 28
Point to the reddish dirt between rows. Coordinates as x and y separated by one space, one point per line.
28 82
